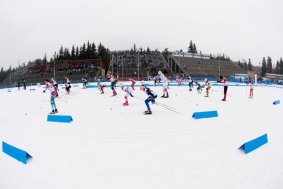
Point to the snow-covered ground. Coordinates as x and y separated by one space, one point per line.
109 146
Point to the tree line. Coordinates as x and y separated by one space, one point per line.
267 67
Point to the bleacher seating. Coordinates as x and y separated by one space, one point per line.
138 65
206 67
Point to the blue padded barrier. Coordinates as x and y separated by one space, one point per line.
60 118
16 153
254 144
208 114
91 86
276 102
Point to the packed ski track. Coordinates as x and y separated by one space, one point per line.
109 145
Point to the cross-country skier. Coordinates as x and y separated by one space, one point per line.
84 80
128 92
224 81
179 80
101 87
113 81
55 85
49 86
165 81
250 83
199 87
208 86
132 83
67 84
151 97
191 84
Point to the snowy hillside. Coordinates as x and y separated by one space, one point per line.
110 146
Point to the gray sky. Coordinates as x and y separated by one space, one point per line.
241 29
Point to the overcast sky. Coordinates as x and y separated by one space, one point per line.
241 29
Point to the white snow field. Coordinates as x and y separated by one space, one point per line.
109 146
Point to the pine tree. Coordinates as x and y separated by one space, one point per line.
77 53
277 68
88 51
281 66
44 61
67 55
73 53
61 53
263 67
195 49
269 65
93 51
250 66
191 47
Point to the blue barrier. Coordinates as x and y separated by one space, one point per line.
209 114
276 102
91 86
16 153
60 118
254 144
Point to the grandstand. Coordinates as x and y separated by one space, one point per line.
202 65
73 69
138 65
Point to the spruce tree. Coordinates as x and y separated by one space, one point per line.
263 67
269 65
191 47
93 51
77 53
281 66
250 66
277 68
73 53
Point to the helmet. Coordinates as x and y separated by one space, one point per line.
142 87
159 72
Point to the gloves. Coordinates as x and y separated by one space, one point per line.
44 91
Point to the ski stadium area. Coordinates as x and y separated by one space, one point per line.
111 146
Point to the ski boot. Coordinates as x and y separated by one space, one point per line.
125 104
224 99
147 112
56 111
53 112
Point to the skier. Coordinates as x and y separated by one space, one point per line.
151 97
55 85
164 79
250 83
179 80
84 80
191 84
101 87
224 81
50 87
199 87
208 86
113 81
24 84
67 84
132 83
128 92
